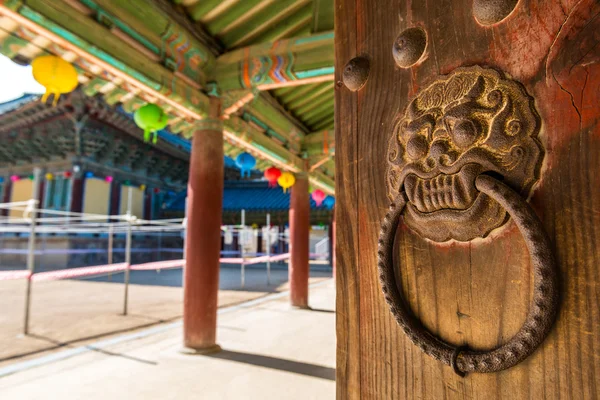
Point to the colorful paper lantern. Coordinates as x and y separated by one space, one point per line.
31 177
49 176
142 187
109 179
151 118
55 74
156 190
246 162
89 174
318 196
67 174
14 178
272 174
329 202
286 181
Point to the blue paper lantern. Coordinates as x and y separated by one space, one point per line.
89 174
329 202
246 162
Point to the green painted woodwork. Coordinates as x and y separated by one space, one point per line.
147 24
242 129
313 143
245 22
277 121
317 113
105 17
278 68
317 93
224 20
202 7
323 11
325 123
291 45
287 26
322 181
318 103
283 91
297 93
242 35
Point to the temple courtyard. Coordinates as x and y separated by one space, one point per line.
270 350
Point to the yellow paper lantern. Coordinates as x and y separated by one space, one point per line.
49 176
55 74
142 187
286 181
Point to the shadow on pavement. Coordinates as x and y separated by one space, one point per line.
317 371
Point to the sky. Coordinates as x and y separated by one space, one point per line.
16 80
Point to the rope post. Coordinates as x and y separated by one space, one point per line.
37 172
159 247
110 248
268 249
127 250
242 237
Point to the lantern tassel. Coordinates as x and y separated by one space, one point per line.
45 96
146 135
155 138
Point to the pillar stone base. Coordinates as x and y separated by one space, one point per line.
215 348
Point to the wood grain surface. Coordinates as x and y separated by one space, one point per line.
475 293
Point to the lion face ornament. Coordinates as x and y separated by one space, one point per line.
462 160
471 122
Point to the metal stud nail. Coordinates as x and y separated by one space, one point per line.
356 73
409 47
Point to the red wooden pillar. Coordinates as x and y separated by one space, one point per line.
203 239
299 238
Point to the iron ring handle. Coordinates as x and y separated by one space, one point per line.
543 309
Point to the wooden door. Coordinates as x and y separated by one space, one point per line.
477 292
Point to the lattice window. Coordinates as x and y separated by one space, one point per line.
57 194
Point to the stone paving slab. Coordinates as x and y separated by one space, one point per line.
73 312
270 351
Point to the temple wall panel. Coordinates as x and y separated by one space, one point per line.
137 204
21 191
96 196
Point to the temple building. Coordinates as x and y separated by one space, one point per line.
92 157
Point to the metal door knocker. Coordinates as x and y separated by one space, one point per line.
461 160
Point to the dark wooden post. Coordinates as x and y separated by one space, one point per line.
77 188
299 242
332 246
115 198
203 240
7 194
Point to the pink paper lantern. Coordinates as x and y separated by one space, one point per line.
318 196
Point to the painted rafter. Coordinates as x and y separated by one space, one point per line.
323 11
143 24
289 62
133 85
319 143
